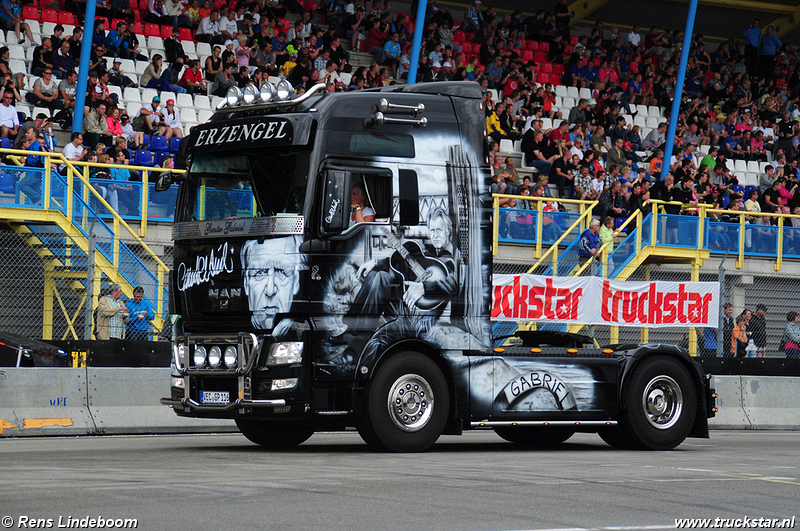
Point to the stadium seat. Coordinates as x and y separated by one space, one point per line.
166 32
533 45
159 143
738 188
188 115
160 155
183 101
104 19
143 157
30 13
50 15
154 42
202 102
5 143
65 17
749 189
506 145
740 166
152 30
203 49
186 35
174 143
753 166
547 68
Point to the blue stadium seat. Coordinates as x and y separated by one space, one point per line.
749 189
158 143
725 201
174 143
143 157
738 188
160 155
5 143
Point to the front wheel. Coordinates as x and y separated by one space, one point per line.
535 436
407 404
275 434
660 405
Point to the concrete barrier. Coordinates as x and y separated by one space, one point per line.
729 404
44 401
757 402
772 401
91 401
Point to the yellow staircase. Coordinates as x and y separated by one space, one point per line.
66 210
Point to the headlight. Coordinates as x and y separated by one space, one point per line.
199 357
285 90
267 92
181 354
285 353
214 356
250 94
231 355
233 97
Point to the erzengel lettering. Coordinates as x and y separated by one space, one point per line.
273 130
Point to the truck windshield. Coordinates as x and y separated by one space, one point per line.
247 184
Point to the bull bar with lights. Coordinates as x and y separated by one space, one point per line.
231 358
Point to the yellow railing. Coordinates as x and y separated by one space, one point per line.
74 173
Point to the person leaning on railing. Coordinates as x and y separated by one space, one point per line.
791 335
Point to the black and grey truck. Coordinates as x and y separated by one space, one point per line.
333 269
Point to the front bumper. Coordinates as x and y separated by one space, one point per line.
186 403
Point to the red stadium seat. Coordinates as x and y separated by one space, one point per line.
166 32
558 69
466 47
136 27
544 46
527 55
540 56
543 78
30 13
573 40
104 19
186 34
152 30
547 68
459 36
568 49
283 24
66 18
533 46
49 15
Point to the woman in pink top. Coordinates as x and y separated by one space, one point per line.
114 125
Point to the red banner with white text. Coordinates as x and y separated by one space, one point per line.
596 301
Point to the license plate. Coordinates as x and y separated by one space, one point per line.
215 397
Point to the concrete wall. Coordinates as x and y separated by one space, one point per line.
94 401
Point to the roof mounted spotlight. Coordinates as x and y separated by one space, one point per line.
233 97
284 90
267 92
250 94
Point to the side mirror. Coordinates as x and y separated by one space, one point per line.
167 179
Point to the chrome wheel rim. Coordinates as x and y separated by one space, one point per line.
662 402
410 402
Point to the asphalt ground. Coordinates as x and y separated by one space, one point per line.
333 482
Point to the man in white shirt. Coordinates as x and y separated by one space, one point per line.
227 23
9 120
74 149
634 38
209 30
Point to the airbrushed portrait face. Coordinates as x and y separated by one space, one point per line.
271 278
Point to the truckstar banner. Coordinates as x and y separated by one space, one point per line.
595 301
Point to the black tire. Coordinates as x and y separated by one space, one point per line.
406 405
275 434
535 436
660 405
615 437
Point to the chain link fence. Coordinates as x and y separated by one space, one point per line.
44 278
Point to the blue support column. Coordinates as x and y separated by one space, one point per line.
419 27
676 97
83 69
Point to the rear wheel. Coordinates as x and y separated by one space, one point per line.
275 434
535 435
406 405
660 405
